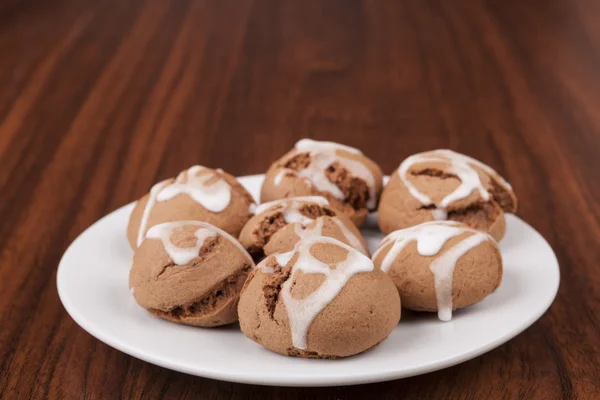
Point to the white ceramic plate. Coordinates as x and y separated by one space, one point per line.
93 286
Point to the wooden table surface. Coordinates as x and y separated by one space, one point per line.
99 99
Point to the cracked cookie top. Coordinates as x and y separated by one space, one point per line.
445 185
189 272
342 174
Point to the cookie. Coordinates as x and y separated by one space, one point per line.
323 299
440 266
197 194
189 272
342 174
444 185
280 224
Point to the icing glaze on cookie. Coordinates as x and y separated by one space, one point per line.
262 266
430 238
352 239
461 166
284 258
317 230
291 202
215 197
183 255
290 208
304 232
323 155
306 145
302 312
149 205
279 177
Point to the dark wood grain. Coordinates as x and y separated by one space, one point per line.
99 99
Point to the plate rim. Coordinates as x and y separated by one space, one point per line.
289 380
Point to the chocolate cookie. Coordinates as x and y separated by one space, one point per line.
197 194
324 299
444 185
440 266
190 272
280 224
349 180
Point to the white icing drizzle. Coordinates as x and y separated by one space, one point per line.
304 232
317 230
431 237
323 155
183 255
302 312
460 165
325 147
291 215
284 258
443 272
320 200
352 239
179 255
315 174
264 267
439 214
279 177
146 214
291 206
214 197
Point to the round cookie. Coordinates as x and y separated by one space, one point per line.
440 266
197 194
342 174
324 299
444 185
190 272
280 224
